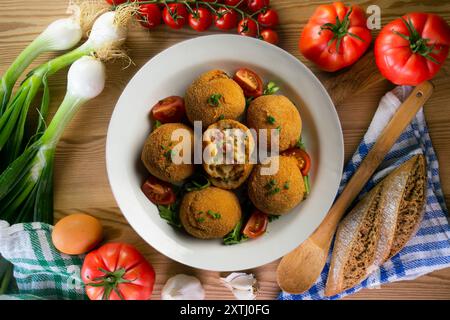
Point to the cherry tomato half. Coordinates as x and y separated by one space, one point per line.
170 109
268 18
200 19
158 192
255 5
226 19
150 15
247 27
270 36
302 157
175 15
249 81
256 225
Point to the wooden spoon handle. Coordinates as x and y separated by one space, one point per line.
400 120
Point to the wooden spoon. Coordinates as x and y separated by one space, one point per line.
299 269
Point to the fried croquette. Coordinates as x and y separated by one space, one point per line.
279 113
214 96
228 146
209 213
159 149
280 192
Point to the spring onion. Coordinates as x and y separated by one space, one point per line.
107 35
61 34
26 185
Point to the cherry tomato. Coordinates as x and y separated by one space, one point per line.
201 19
235 2
255 5
302 157
247 27
335 36
270 36
158 191
412 49
268 18
170 109
150 15
117 271
249 81
175 15
226 19
116 2
256 225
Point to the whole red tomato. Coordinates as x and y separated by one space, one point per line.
268 18
247 27
117 271
270 36
200 19
226 19
150 15
412 49
116 2
335 36
255 5
175 15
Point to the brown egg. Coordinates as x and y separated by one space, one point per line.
77 233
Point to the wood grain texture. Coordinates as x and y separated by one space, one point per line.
80 177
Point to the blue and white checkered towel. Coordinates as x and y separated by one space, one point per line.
429 249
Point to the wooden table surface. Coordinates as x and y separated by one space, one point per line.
81 184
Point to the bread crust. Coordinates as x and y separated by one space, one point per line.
398 201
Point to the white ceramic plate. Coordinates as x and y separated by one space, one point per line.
169 73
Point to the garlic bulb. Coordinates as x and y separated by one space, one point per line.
183 287
243 285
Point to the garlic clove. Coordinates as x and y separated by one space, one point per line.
183 287
242 285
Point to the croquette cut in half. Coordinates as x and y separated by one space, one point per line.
228 145
280 192
279 113
159 148
209 213
214 96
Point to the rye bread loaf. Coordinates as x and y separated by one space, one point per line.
378 226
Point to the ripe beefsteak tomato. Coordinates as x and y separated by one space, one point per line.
117 271
335 36
412 49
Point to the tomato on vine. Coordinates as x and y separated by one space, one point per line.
248 27
270 36
150 15
175 15
200 19
226 19
268 18
255 5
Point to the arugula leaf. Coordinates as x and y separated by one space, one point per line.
170 213
235 236
271 88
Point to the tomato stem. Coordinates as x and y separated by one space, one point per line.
340 30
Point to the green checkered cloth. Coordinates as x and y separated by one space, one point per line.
40 270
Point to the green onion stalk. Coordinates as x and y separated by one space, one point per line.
60 35
108 33
26 186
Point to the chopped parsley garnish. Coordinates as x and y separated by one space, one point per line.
201 219
278 128
214 215
168 154
270 184
271 88
221 117
157 124
214 99
274 191
286 185
270 119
